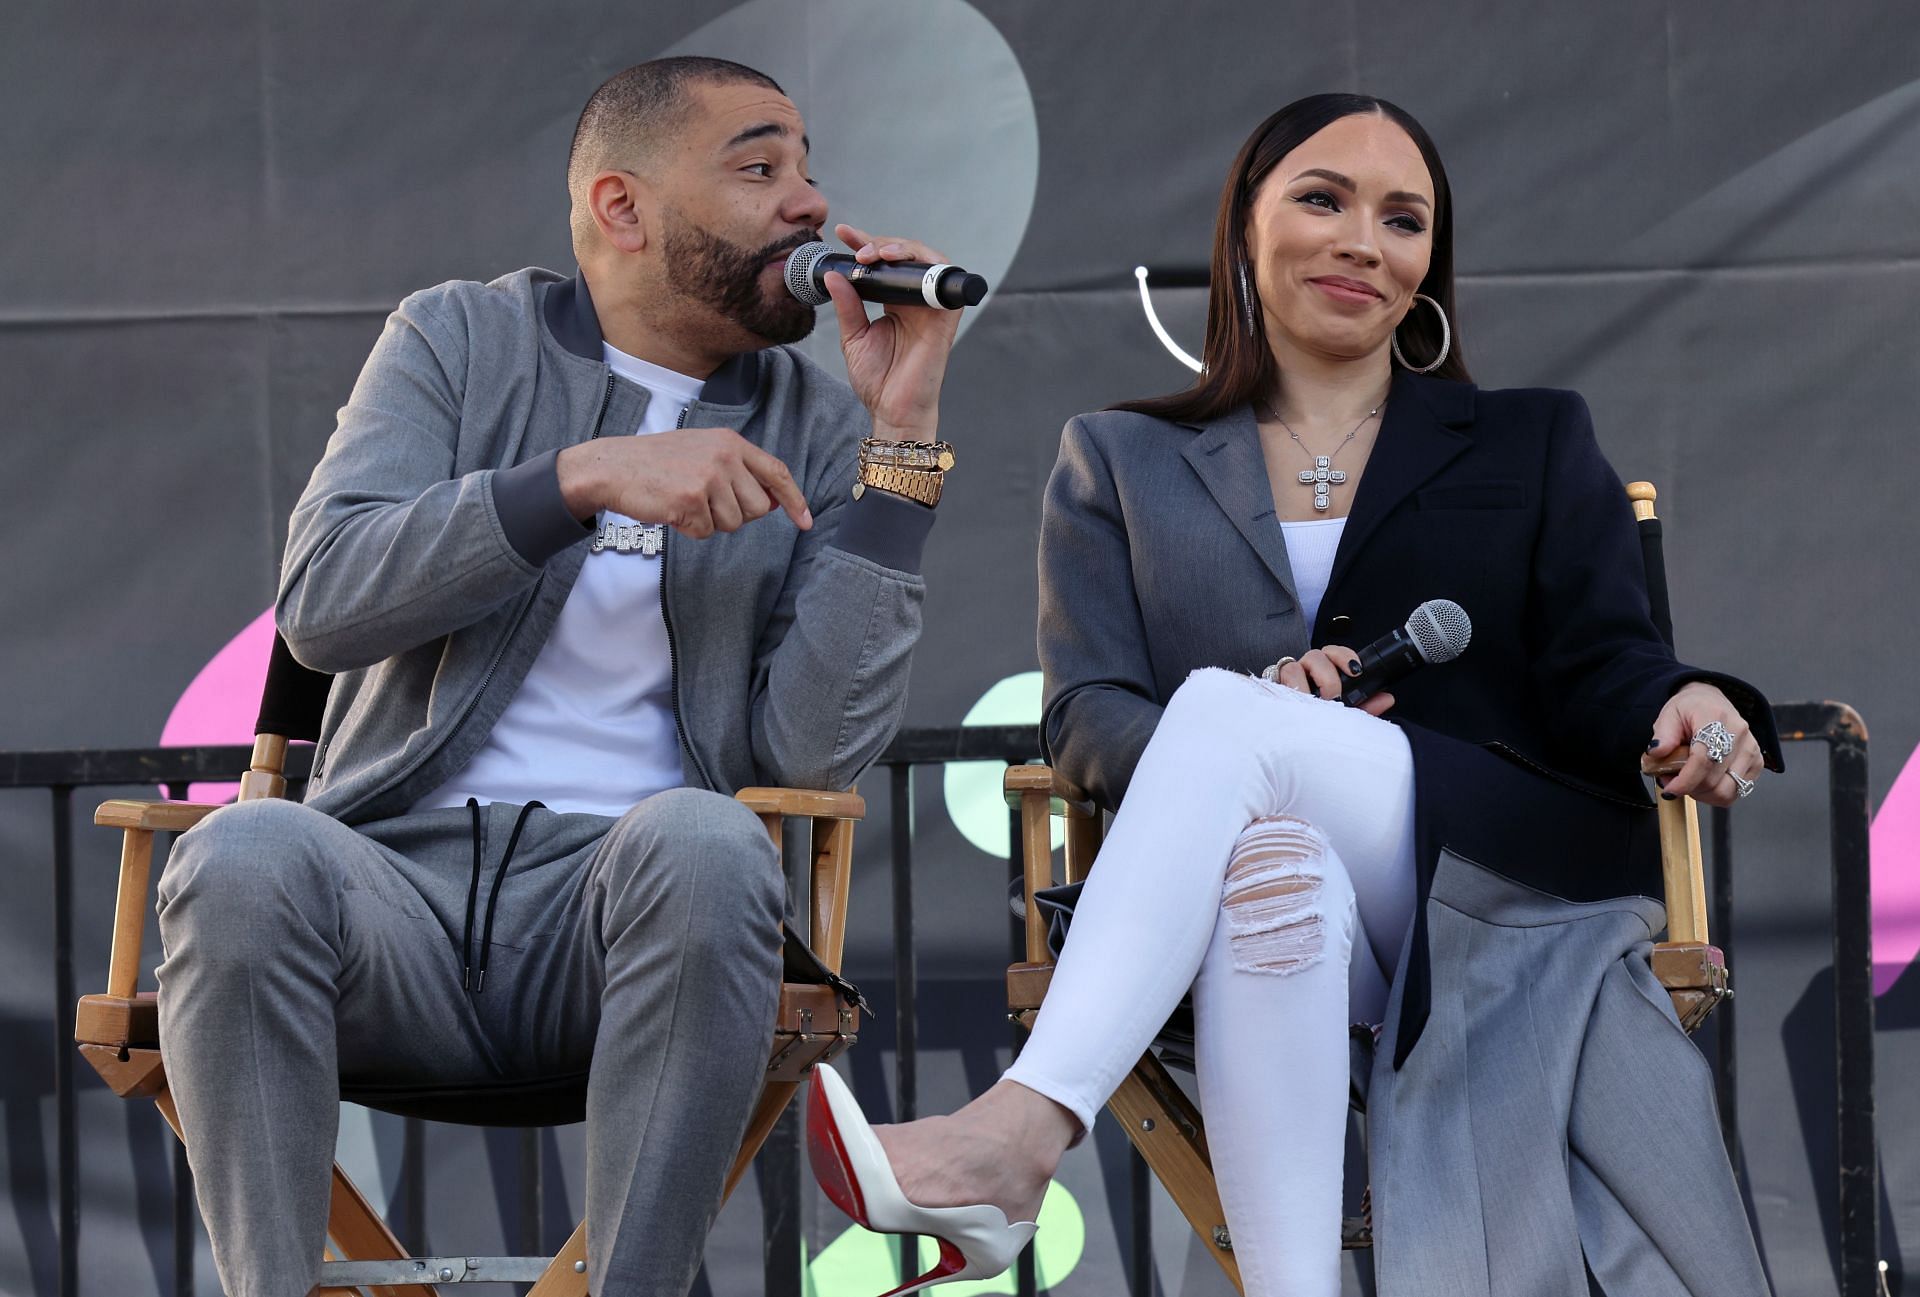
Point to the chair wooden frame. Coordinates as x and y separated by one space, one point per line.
1151 1107
118 1032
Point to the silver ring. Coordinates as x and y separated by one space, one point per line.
1746 786
1272 674
1714 738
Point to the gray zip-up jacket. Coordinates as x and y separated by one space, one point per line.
431 552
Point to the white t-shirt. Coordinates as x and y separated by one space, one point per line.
1311 546
591 727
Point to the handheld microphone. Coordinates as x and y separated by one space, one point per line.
1438 631
903 283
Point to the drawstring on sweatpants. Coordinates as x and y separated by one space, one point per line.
470 978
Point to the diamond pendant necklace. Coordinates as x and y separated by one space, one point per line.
1323 476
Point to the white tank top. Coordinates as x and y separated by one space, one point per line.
1311 546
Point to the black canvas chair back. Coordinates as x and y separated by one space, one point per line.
1653 555
294 699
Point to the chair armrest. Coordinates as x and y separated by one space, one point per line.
833 816
1064 797
1039 793
806 803
160 816
1680 867
138 821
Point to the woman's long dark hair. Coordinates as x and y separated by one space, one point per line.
1237 365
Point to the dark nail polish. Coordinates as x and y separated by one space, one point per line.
1353 667
1668 797
1652 744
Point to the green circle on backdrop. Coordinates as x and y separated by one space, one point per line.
976 801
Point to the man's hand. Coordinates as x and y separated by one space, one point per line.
1686 713
895 363
1324 671
696 480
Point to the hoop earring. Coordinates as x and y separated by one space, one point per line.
1246 299
1446 340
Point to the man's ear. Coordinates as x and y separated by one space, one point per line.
620 210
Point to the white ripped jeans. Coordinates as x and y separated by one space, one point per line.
1263 858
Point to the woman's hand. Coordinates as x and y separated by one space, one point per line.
1689 711
1325 672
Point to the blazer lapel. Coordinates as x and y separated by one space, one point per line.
1417 439
1227 457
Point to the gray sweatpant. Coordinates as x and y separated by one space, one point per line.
644 951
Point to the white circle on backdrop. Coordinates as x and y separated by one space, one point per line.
976 801
921 122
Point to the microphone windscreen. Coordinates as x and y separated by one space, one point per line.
1440 630
800 273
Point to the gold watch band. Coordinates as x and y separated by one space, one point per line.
922 486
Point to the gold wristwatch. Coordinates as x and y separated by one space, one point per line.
916 470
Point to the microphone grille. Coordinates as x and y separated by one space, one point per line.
1441 630
800 273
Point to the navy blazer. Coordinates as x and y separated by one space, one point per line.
1160 554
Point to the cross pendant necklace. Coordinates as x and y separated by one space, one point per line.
1323 476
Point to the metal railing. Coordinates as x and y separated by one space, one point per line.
779 1170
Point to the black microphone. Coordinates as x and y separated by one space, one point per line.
903 283
1438 631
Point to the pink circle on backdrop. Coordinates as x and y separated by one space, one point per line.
1895 840
221 704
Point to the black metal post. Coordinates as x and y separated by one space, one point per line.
778 1168
906 1062
413 1183
64 999
1140 1208
186 1210
1726 1074
185 1215
531 1243
1025 1276
1853 1006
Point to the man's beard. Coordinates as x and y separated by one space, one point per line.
710 270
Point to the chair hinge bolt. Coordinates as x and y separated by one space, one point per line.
579 1267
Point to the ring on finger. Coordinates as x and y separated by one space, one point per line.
1713 736
1272 674
1745 786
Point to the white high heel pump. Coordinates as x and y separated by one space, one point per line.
976 1242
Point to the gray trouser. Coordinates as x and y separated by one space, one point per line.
643 951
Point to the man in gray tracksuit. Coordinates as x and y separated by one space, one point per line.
584 558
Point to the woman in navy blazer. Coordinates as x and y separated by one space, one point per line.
1333 468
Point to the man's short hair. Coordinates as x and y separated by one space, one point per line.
635 111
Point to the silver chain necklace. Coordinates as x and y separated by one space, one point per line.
1323 475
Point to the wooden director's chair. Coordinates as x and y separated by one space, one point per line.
118 1032
1163 1123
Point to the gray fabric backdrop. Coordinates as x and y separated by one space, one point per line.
1701 215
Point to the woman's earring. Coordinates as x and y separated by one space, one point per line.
1446 339
1246 299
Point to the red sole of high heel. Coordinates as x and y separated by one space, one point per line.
828 1155
951 1263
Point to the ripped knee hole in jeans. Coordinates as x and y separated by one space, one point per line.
1271 899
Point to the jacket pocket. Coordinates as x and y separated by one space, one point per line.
1500 493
